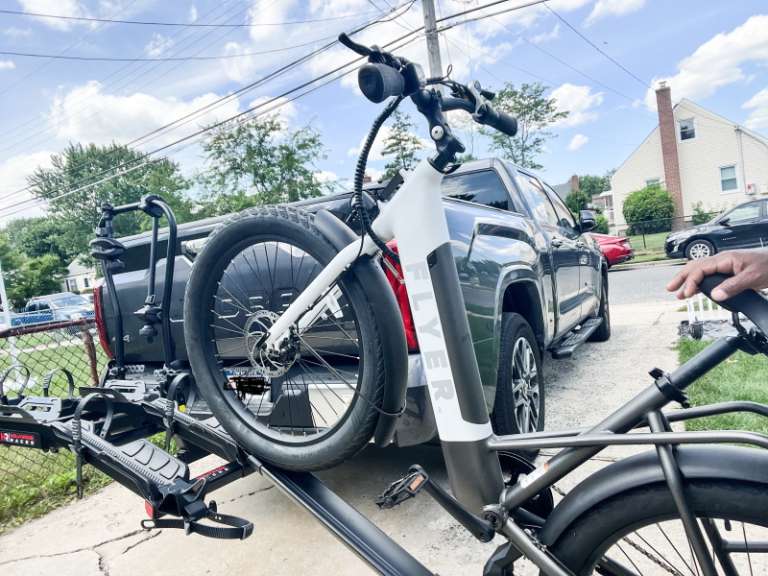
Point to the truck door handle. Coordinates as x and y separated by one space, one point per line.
556 242
581 244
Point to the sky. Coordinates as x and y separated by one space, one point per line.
713 52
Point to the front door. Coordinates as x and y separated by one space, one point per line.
742 226
564 253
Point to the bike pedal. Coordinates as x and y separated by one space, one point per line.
401 490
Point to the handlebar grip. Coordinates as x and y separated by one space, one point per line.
354 46
379 81
749 302
501 121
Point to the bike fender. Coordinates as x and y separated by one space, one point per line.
388 320
712 462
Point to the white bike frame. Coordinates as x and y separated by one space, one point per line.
414 217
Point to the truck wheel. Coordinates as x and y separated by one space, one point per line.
603 332
699 249
519 405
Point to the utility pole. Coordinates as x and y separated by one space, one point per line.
433 44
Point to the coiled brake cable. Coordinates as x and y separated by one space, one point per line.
357 196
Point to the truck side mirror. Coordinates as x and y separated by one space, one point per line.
587 220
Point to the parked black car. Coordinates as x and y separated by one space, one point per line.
745 226
532 282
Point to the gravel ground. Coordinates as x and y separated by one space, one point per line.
99 536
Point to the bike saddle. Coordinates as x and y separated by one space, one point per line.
750 303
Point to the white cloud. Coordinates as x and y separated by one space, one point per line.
325 176
110 117
577 142
193 13
758 118
553 34
58 8
158 45
16 33
604 8
284 109
579 101
7 65
717 62
13 177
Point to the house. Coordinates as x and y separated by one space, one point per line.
79 278
562 190
698 156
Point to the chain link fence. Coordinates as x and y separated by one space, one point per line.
36 359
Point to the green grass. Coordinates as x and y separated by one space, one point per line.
33 482
741 377
653 248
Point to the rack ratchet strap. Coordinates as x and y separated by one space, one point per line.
230 527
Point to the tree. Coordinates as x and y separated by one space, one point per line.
594 185
535 113
40 236
649 210
79 165
577 200
25 276
402 144
259 162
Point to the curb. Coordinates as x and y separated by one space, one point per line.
652 263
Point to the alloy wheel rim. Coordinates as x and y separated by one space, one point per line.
699 250
525 386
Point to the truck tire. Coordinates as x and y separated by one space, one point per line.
519 404
329 410
603 332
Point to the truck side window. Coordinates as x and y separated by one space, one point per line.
563 212
483 187
537 200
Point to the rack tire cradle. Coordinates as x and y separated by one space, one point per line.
108 428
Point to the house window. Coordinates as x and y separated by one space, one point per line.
72 284
653 183
687 129
86 282
728 180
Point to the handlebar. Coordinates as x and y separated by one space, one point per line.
386 75
749 302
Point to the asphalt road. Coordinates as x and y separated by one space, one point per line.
641 285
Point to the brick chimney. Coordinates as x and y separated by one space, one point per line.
574 183
668 133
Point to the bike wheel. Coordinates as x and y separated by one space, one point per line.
315 403
640 531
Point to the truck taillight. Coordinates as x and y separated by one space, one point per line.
394 275
101 326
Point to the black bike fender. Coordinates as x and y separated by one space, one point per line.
388 320
714 462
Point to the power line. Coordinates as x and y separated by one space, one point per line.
160 58
176 24
596 47
241 115
186 118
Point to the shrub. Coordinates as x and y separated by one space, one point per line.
576 200
602 224
700 216
649 210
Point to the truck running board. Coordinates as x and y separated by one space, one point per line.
566 347
173 498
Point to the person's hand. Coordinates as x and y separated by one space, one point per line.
749 269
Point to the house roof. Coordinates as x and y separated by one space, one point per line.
704 112
75 269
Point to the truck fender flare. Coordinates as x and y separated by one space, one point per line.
388 320
703 462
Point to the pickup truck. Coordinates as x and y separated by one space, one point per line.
532 281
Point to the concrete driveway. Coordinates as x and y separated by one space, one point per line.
101 535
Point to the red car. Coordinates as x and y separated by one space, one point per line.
616 249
